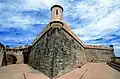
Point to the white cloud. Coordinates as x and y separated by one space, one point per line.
22 19
37 4
18 39
18 20
102 17
102 22
108 3
11 12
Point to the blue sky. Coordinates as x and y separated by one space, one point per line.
93 21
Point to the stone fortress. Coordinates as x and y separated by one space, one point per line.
57 50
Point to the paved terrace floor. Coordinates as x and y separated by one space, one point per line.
88 71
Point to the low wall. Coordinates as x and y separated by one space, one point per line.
98 55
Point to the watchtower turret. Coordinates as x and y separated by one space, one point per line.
56 13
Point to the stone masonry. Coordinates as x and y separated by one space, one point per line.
17 55
2 51
57 50
98 55
56 53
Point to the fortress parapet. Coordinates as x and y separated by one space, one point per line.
99 47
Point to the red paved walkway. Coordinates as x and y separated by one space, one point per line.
88 71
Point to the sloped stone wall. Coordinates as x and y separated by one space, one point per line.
98 55
2 50
56 53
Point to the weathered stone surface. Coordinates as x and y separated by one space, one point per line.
57 50
2 50
17 54
98 55
56 53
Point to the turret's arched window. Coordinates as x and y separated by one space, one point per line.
57 12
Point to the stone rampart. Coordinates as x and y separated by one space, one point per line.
56 52
98 53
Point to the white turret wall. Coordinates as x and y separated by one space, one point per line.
56 14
